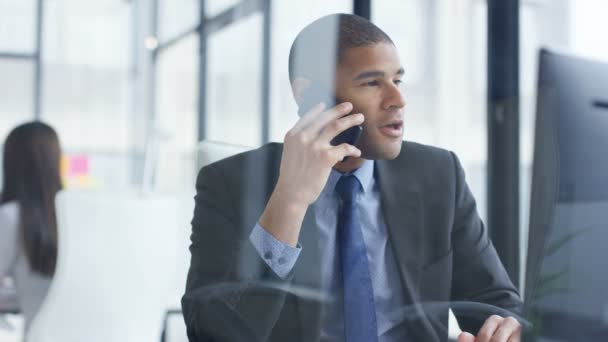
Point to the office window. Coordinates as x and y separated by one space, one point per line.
234 81
176 124
17 36
176 17
214 7
87 82
18 26
589 27
86 73
443 50
16 88
571 26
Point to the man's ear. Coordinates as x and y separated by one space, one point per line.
298 86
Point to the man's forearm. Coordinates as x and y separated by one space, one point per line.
283 218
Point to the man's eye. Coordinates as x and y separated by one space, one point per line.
371 83
398 82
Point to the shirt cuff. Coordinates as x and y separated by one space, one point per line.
279 256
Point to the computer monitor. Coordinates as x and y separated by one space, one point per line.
566 293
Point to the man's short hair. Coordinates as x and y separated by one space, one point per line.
320 46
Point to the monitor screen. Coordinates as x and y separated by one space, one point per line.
566 294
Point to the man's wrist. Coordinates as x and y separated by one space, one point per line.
283 218
289 198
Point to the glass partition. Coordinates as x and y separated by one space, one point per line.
201 182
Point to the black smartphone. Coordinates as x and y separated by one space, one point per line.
316 94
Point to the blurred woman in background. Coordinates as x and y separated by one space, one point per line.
28 227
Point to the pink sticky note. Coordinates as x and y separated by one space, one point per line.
79 165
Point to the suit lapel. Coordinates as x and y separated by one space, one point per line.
401 207
401 202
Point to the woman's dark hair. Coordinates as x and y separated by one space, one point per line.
32 178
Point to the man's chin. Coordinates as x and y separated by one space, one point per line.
382 153
393 154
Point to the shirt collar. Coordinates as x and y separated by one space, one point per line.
365 175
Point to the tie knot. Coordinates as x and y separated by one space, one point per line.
348 187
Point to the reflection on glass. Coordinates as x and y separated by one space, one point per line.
283 114
295 241
566 290
576 26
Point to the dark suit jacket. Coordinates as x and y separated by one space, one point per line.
442 249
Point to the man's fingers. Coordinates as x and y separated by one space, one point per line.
466 337
309 116
337 153
489 327
340 125
495 329
508 330
319 121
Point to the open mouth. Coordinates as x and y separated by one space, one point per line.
393 130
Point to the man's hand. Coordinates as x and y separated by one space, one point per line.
495 329
307 160
308 156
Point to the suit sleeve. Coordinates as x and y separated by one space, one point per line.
478 275
231 293
279 256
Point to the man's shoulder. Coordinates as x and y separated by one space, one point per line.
416 147
415 153
422 166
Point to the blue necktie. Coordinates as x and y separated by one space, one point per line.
359 309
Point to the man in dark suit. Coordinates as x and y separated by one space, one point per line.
292 242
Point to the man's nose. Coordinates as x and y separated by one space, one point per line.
394 98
